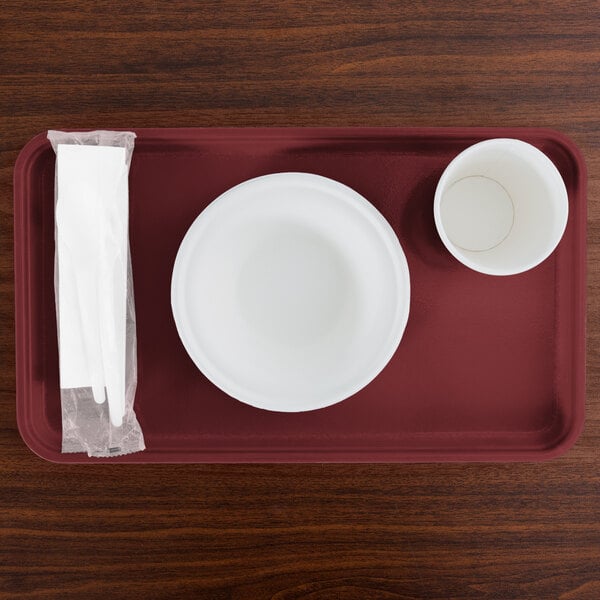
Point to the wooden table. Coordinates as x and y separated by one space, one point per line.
298 531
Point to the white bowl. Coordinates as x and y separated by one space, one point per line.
290 292
501 207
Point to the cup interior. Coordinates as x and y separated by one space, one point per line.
501 206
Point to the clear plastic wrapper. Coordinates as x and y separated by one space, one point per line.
94 293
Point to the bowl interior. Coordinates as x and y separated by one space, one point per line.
290 292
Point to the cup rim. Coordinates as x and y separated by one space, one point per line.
455 250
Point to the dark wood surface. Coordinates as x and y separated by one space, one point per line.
298 531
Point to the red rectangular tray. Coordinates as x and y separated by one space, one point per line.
490 368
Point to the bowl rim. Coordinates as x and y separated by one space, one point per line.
396 328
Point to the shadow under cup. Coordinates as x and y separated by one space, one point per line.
501 207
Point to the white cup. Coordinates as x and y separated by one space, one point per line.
501 207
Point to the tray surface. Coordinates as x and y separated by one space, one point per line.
489 368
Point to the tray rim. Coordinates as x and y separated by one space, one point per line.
39 143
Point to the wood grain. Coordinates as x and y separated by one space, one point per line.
298 531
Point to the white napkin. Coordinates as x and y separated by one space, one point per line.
92 240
